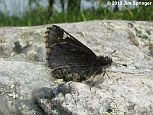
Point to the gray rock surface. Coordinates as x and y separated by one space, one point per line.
27 88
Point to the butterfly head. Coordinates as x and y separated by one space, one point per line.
104 61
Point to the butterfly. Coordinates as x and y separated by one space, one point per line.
69 58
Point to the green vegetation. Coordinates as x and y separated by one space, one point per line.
41 16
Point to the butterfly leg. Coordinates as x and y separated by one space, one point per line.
105 73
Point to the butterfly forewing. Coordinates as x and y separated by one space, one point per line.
65 50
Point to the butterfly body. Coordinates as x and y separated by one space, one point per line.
69 58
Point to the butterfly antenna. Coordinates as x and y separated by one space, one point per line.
116 64
111 53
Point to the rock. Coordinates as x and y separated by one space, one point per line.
117 96
32 55
26 86
17 80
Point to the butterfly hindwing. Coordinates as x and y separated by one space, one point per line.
72 73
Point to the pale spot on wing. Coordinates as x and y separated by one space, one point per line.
65 35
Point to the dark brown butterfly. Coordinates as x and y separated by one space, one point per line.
70 59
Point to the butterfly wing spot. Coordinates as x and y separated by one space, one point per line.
65 35
53 35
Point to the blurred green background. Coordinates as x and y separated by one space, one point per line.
39 12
